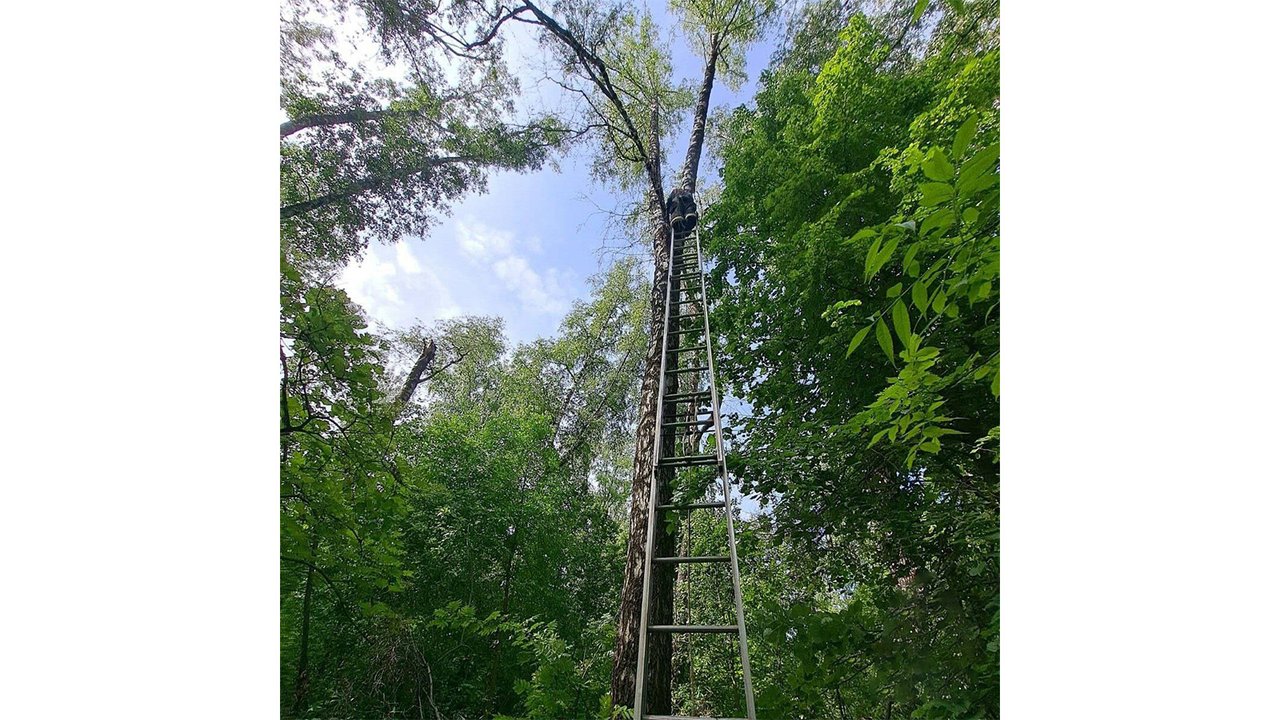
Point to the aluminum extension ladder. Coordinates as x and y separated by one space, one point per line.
680 359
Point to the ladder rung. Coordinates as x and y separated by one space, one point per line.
687 277
694 628
687 349
678 397
691 559
686 316
686 422
688 460
687 717
700 368
694 506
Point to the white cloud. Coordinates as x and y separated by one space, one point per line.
405 258
397 291
368 282
542 293
483 243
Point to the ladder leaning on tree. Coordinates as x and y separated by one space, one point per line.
679 360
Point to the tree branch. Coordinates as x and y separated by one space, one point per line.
370 183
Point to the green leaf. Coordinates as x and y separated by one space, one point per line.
832 312
884 338
857 340
918 12
932 193
920 296
873 253
887 251
937 167
970 216
901 321
862 235
939 300
894 291
940 220
964 136
910 254
980 163
968 187
877 261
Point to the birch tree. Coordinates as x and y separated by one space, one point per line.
614 60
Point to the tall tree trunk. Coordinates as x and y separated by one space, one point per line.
303 679
626 647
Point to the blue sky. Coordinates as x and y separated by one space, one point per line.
524 250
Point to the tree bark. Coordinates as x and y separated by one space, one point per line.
303 679
491 687
626 646
689 174
662 596
648 148
417 374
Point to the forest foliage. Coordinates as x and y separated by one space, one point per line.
460 554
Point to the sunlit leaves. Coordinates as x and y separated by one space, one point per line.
858 337
936 166
881 450
884 338
964 136
935 193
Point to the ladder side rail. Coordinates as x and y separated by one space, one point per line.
724 475
653 498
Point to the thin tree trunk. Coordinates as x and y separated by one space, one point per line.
507 577
689 174
303 679
417 374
